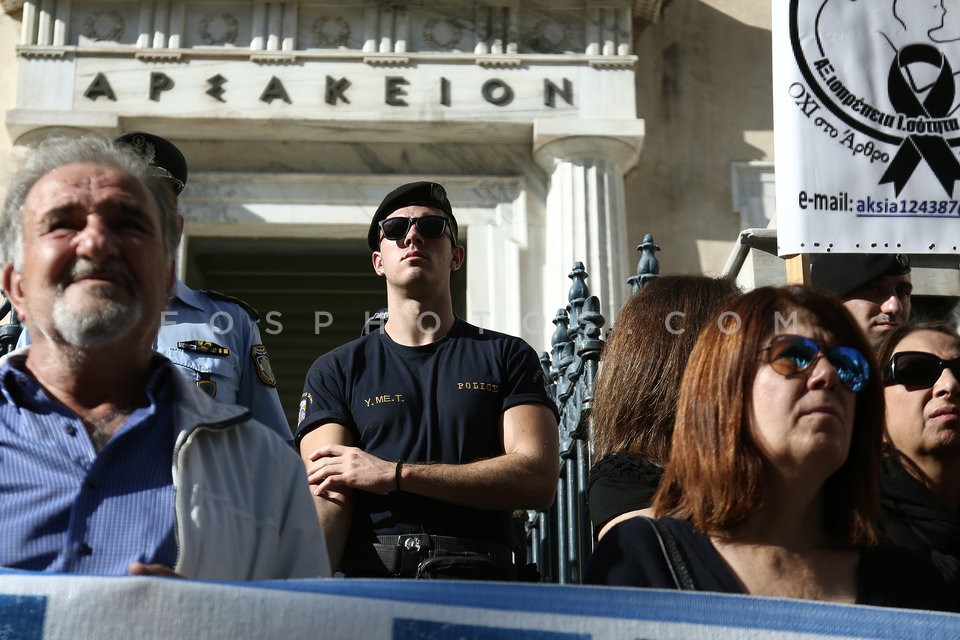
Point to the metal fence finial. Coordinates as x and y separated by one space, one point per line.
648 267
579 291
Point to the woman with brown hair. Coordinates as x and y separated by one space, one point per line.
920 474
772 483
636 395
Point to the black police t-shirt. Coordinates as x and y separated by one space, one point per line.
441 402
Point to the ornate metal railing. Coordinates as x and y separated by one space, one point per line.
560 540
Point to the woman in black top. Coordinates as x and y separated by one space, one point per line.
636 396
772 481
920 476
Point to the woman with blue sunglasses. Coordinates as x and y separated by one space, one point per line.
772 485
920 476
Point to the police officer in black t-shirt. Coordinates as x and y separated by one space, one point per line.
421 437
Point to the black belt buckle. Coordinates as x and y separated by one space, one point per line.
413 549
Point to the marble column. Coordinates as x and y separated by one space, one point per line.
585 161
45 22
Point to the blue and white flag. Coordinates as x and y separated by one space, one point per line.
54 607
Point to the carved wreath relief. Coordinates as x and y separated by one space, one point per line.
442 33
331 33
106 25
219 29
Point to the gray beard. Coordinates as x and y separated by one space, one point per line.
109 319
105 319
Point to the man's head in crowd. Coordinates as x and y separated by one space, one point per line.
875 288
89 235
413 236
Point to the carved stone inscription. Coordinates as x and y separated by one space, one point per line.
336 90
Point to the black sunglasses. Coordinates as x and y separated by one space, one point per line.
431 227
918 369
790 355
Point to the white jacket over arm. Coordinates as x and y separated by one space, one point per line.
243 506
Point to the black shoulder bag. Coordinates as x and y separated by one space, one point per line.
677 564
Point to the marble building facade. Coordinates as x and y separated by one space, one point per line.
563 129
526 111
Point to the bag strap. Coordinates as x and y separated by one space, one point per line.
677 564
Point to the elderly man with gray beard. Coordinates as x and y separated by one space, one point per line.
91 417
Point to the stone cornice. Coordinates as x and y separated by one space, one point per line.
646 9
519 60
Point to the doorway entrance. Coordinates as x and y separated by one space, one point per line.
312 295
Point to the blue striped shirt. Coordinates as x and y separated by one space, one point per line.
66 508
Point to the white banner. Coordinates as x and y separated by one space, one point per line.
867 125
51 607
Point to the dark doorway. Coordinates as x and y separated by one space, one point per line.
312 295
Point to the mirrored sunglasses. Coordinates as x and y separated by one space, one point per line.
431 227
918 369
791 355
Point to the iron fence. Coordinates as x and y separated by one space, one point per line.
560 539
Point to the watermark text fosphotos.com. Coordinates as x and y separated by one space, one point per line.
729 322
221 322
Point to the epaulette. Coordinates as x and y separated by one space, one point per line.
216 295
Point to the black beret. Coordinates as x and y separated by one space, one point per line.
425 194
160 153
844 273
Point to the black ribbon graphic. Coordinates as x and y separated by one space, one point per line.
932 148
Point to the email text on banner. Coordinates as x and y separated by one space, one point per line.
872 206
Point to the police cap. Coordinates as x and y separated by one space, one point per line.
844 273
160 153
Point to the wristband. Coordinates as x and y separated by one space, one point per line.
396 474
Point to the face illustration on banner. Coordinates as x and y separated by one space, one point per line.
919 18
924 22
949 30
888 73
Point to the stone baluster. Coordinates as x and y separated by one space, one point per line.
28 24
258 26
291 21
45 23
161 23
371 26
61 23
274 25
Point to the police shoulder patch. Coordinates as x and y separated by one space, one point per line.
305 400
216 295
261 362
